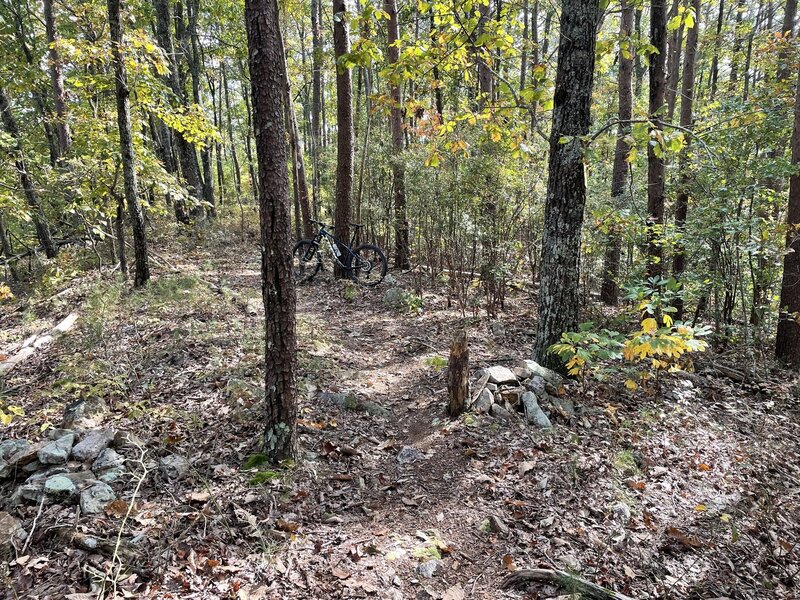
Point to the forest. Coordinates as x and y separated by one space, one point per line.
400 299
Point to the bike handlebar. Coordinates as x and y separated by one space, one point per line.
326 226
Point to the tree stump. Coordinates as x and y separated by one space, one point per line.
458 374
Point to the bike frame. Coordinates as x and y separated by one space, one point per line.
335 243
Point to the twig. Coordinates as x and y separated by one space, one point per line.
564 580
33 528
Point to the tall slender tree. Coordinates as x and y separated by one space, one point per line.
267 79
344 126
609 290
566 185
123 93
687 107
655 160
401 247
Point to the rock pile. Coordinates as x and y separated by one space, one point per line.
66 467
526 388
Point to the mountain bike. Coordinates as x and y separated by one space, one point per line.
365 264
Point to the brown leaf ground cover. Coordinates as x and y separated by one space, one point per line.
690 493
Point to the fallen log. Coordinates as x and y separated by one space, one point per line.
35 342
567 581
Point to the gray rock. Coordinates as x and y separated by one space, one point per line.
394 297
109 466
10 447
511 396
85 414
173 467
537 385
24 456
497 525
498 329
57 452
622 512
409 454
56 433
6 470
484 402
499 374
34 466
59 488
390 280
94 499
522 372
565 406
126 441
548 375
492 387
429 568
12 536
92 445
254 306
498 412
533 412
32 492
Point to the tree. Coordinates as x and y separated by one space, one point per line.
609 290
126 145
316 98
57 81
566 183
37 214
344 125
655 157
401 252
687 105
787 343
267 79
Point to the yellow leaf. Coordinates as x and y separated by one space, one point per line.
631 384
725 518
667 321
701 507
649 325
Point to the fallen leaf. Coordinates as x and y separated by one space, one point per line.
525 467
508 563
677 535
117 508
454 593
340 573
635 484
704 467
198 497
284 525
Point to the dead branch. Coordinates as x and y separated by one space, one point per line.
565 580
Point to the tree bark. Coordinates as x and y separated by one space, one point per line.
717 45
673 64
687 105
126 145
316 99
787 342
344 122
57 81
485 80
401 251
655 162
609 290
267 78
37 214
237 172
458 374
566 185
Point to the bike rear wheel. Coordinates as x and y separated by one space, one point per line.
306 261
369 265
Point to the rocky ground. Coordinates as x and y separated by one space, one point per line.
135 469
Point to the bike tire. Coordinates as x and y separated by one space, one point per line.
369 265
303 267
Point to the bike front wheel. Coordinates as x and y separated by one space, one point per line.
306 261
369 265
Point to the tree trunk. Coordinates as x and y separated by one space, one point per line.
126 145
267 78
344 123
784 57
298 160
566 184
687 105
316 99
655 162
401 252
458 374
57 80
673 64
609 291
737 47
485 80
37 214
717 44
787 343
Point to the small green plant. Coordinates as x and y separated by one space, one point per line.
8 412
436 361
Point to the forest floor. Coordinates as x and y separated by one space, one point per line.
693 492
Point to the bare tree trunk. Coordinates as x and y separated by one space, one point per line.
566 185
458 374
609 291
655 163
737 47
126 146
57 80
485 79
267 78
37 214
674 65
316 100
401 252
237 172
717 44
787 342
687 105
344 123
